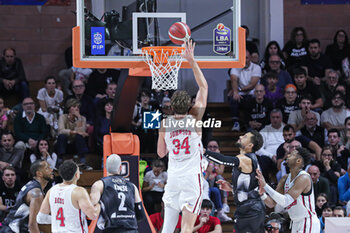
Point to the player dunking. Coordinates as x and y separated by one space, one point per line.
183 191
295 193
67 203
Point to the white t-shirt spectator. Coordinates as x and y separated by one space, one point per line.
245 75
51 160
50 101
335 118
150 178
295 117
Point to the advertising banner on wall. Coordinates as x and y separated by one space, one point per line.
305 2
36 2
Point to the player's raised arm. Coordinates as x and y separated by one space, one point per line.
202 94
161 145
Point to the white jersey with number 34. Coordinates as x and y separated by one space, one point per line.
64 216
184 145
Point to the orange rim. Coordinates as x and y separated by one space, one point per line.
160 54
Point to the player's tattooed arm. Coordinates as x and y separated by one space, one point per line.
35 198
222 159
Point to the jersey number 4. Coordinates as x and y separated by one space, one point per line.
60 217
181 145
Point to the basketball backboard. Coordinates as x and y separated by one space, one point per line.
114 38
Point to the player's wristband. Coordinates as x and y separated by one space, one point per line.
263 197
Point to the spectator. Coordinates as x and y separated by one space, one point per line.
320 200
50 101
346 69
289 103
9 155
273 92
321 184
283 76
206 223
147 137
343 89
340 152
12 77
10 188
339 49
72 131
110 94
251 46
157 220
29 126
297 117
103 123
28 201
273 226
86 102
273 137
306 87
213 174
289 136
339 212
166 107
3 115
43 152
67 76
295 49
316 63
153 186
327 211
346 139
258 109
328 88
334 117
344 187
272 48
313 131
98 80
243 82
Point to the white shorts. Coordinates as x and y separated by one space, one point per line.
306 225
184 191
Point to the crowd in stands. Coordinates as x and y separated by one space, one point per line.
296 97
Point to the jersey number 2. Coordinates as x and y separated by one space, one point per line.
122 207
184 145
60 217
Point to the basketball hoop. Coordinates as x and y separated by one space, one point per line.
164 63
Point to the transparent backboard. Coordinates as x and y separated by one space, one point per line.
111 33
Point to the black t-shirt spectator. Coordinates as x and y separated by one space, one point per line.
304 143
337 55
259 112
97 82
318 135
310 89
295 54
316 68
286 108
8 196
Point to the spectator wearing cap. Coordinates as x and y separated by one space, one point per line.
334 117
72 131
289 103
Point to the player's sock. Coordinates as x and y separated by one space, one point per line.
171 217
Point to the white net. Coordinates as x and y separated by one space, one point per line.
164 64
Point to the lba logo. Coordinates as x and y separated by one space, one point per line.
151 120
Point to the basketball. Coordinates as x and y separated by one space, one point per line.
179 32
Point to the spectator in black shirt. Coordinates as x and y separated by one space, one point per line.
12 76
305 87
316 63
272 48
98 80
9 187
258 109
340 152
289 103
339 50
313 131
328 88
295 49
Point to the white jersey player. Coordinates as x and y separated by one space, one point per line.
295 193
68 203
180 137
